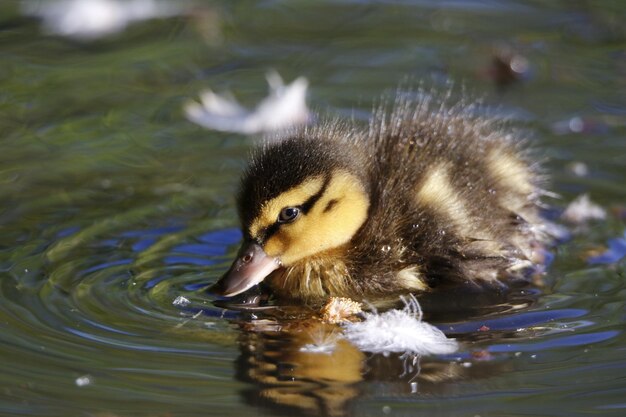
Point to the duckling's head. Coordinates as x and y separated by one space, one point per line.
299 198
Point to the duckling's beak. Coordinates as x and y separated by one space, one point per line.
251 267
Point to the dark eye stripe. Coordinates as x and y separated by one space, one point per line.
265 234
308 204
330 205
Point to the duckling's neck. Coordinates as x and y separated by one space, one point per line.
313 279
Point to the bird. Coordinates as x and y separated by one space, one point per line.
426 195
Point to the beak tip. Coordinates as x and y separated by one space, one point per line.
249 269
221 289
217 288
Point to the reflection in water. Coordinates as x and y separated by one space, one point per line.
298 363
289 375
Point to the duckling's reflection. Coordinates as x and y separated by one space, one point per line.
299 364
303 366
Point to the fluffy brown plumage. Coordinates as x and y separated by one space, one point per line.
427 196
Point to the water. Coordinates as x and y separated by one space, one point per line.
113 205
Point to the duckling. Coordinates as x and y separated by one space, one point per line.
426 197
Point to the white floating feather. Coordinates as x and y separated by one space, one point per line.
284 107
181 301
582 209
401 331
92 19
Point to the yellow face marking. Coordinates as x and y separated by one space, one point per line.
510 171
318 230
438 193
293 197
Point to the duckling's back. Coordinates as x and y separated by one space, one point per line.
454 200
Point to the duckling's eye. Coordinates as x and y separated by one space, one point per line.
288 214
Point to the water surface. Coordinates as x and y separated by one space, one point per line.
114 205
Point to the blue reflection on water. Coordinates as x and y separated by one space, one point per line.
194 286
68 231
564 341
228 236
159 231
213 243
105 327
615 252
517 321
154 281
149 237
105 265
143 244
138 346
200 249
188 260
